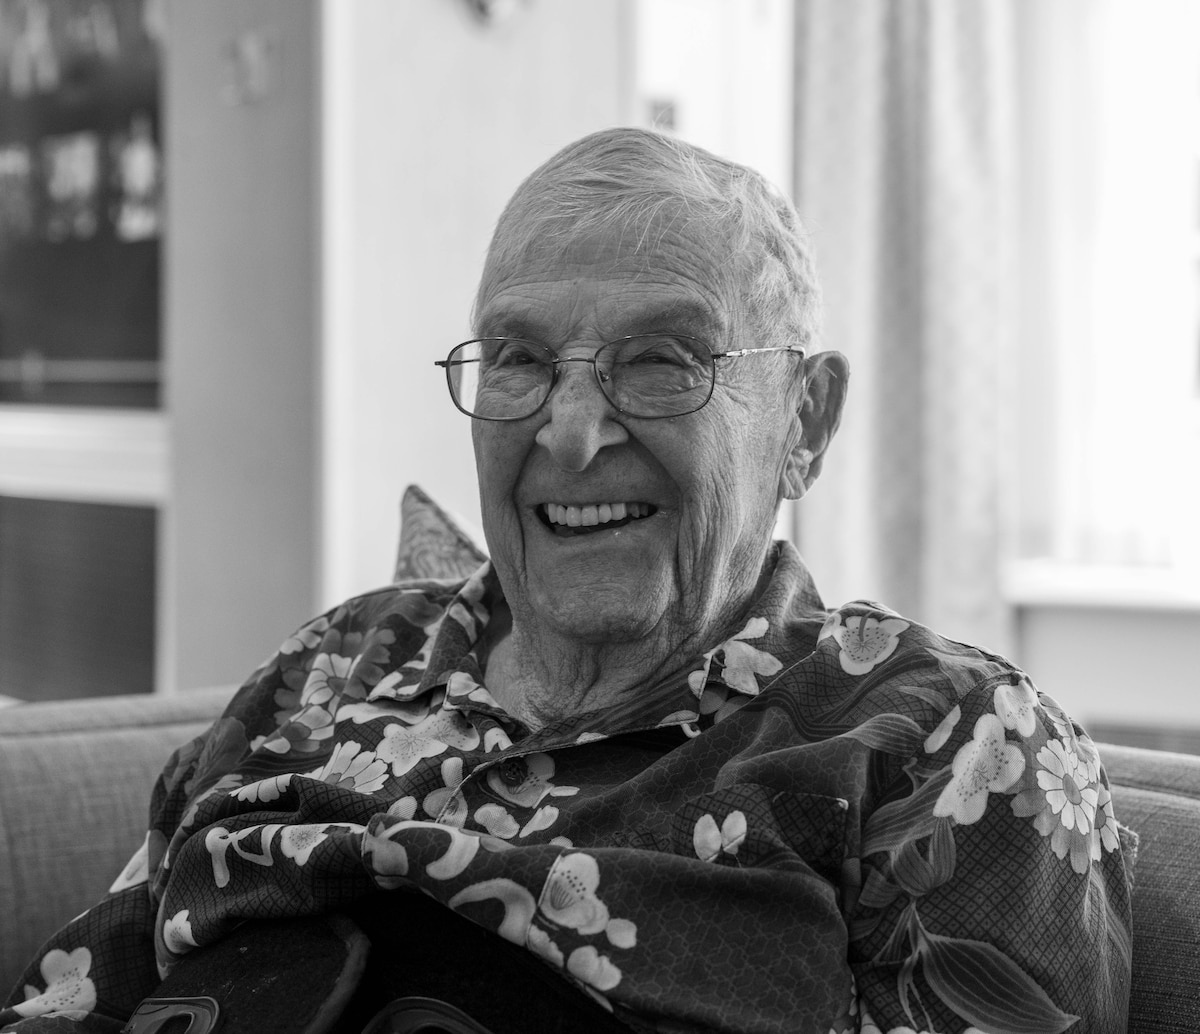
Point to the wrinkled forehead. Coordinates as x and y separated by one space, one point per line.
665 247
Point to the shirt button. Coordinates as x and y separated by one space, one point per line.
513 772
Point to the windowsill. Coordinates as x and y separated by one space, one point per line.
84 454
1048 583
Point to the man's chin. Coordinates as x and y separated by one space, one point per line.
599 615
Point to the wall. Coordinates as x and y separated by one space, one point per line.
241 332
335 171
723 69
430 119
1111 665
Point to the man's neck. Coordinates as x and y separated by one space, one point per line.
542 677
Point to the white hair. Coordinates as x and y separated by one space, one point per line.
637 181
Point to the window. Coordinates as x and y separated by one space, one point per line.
1109 433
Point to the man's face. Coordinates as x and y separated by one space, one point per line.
699 492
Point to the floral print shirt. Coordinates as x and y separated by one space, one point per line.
833 821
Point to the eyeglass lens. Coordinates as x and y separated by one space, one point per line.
649 376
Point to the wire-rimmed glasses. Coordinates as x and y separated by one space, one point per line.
648 376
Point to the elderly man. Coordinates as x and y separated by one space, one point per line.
635 744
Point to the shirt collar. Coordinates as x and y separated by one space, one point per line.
781 626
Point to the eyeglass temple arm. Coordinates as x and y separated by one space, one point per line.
737 353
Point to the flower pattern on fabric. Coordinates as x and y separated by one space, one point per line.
1065 779
177 933
988 764
307 729
404 808
265 790
299 842
543 818
444 803
69 991
404 681
519 909
352 768
403 749
255 845
711 842
370 652
1106 835
410 712
1063 802
865 642
938 738
218 840
526 781
307 638
1053 710
740 661
570 905
588 966
342 674
729 677
1016 706
570 896
497 821
540 944
875 777
1088 756
326 680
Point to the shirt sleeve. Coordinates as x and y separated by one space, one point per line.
994 893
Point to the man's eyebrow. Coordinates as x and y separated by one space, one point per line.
502 324
683 316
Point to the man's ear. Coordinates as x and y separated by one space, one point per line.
827 377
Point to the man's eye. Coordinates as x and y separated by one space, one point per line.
658 351
508 354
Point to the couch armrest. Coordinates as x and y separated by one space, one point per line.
1157 795
75 782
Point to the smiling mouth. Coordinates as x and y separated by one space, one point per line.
566 520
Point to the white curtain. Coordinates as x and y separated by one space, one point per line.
1114 156
905 176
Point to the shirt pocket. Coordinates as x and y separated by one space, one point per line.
751 825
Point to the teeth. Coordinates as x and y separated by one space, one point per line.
593 514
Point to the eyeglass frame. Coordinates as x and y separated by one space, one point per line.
735 353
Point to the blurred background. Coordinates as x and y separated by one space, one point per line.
234 235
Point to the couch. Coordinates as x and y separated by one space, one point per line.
66 831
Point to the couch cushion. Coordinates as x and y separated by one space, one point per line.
1157 794
432 543
75 782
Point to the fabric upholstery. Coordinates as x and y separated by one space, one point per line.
1157 794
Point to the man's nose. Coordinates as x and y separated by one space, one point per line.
579 420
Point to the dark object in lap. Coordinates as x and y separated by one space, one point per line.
421 948
334 974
